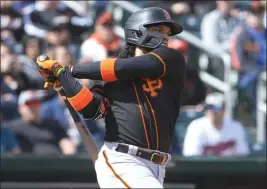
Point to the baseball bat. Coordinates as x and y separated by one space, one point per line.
87 138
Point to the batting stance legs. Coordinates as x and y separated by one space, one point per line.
120 170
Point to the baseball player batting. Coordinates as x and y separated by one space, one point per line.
137 93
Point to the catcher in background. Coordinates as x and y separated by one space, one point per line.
139 96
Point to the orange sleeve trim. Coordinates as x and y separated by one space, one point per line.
162 61
113 171
82 99
107 69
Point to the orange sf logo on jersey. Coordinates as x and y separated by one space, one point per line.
152 86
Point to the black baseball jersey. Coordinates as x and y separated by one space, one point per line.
143 98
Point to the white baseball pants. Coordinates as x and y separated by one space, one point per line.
120 170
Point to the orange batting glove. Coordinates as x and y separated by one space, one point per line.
49 69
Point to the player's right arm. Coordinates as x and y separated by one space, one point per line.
158 63
90 103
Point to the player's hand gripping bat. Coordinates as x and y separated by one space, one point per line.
87 138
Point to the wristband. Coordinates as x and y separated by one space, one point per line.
69 68
59 71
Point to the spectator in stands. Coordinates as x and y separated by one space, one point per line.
100 7
21 6
55 109
9 142
11 20
10 70
62 54
36 135
174 8
45 13
177 8
103 42
194 88
194 94
217 27
249 53
32 48
9 102
59 35
8 38
257 3
188 13
16 74
264 17
215 134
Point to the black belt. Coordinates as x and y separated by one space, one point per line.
154 156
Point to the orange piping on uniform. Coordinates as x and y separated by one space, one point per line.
113 171
162 61
155 120
142 115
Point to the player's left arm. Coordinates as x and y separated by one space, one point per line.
155 64
90 103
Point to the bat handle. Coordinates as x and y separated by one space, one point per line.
61 91
87 138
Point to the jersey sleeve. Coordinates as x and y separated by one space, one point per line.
155 64
97 88
172 60
90 103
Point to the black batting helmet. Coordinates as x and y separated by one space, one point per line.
136 31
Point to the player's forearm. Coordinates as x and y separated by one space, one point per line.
148 66
89 104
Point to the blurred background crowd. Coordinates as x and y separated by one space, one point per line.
36 121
